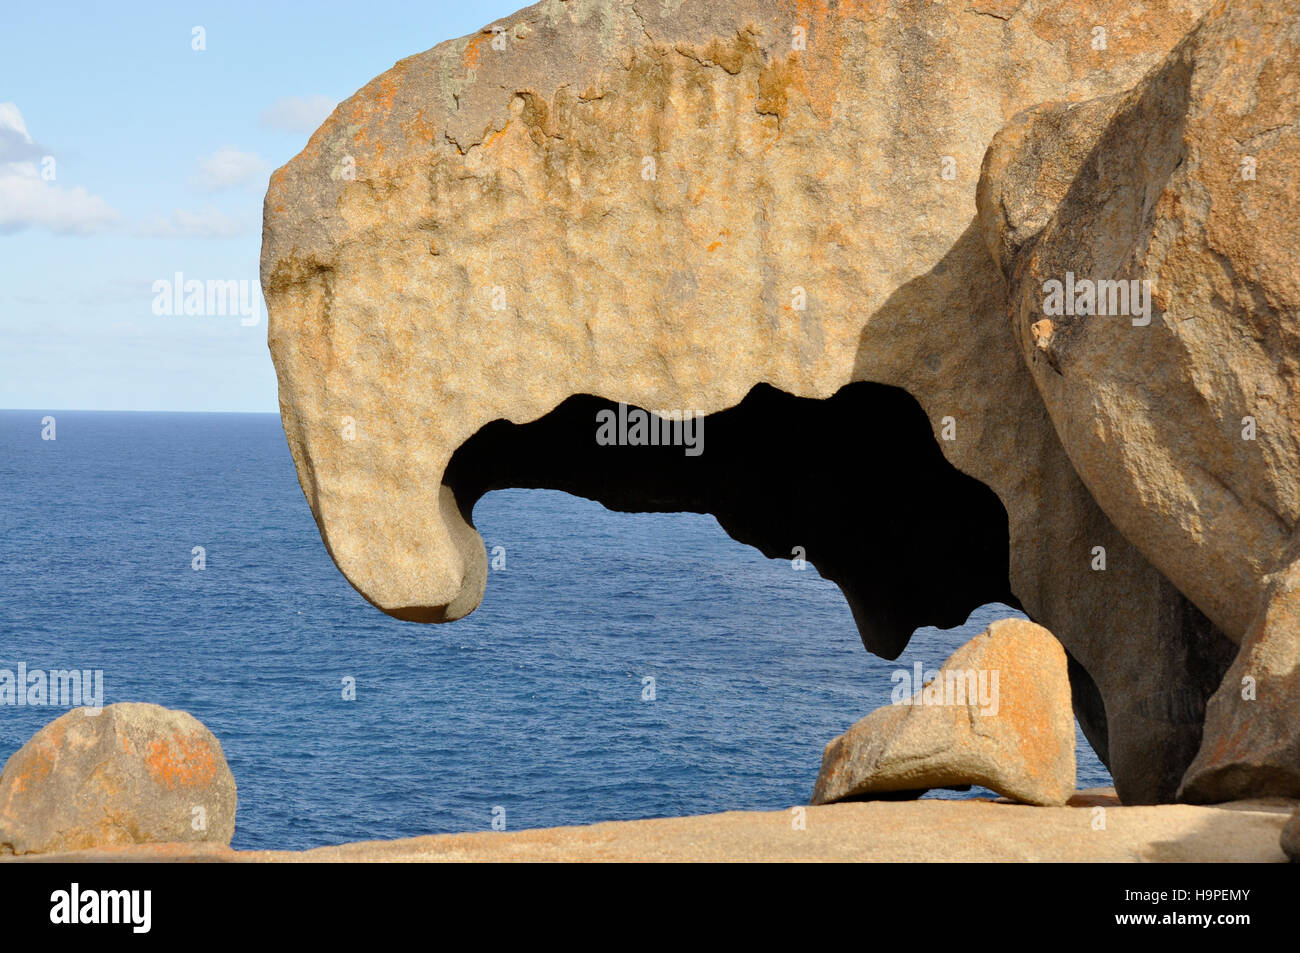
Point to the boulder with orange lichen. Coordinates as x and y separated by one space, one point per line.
133 774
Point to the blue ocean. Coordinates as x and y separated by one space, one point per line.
538 703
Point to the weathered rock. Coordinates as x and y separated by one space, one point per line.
1183 421
997 714
1252 724
133 774
929 831
668 205
1291 838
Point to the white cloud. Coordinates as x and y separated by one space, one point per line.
30 200
11 118
205 223
15 144
228 167
298 114
26 201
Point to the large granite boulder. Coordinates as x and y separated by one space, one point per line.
997 714
132 774
764 210
1176 205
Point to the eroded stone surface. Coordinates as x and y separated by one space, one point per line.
133 774
997 714
1251 742
471 176
910 832
1183 423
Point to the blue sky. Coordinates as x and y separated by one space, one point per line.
161 155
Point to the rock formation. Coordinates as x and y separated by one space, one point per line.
668 205
997 714
132 774
928 831
1290 840
1182 421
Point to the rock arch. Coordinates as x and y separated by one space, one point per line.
856 481
472 238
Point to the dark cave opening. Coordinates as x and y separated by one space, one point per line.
857 481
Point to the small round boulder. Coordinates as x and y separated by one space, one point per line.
132 774
1291 838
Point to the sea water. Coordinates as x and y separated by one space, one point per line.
621 665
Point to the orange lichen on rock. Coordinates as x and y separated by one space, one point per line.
130 774
996 714
184 759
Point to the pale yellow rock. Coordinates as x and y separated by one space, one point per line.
1184 420
997 714
1095 828
1251 742
632 201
